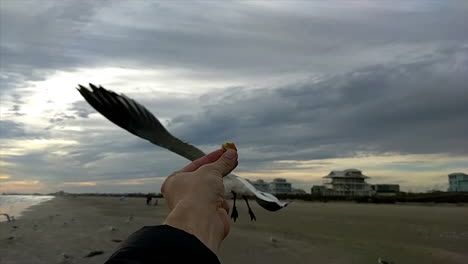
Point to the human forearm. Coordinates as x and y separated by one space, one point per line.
201 221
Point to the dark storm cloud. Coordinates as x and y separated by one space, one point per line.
231 40
419 107
37 38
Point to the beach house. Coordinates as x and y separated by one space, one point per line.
280 186
349 182
261 185
458 182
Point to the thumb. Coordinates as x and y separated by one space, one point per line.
225 164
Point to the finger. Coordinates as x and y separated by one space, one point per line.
209 158
224 165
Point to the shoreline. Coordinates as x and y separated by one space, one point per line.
15 205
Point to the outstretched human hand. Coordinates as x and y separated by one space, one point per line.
195 196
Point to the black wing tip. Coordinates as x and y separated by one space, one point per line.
97 90
81 87
93 87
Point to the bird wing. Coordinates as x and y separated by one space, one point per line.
136 119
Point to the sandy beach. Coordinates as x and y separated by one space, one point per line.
66 229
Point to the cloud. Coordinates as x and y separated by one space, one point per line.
27 186
406 108
11 129
80 109
298 82
4 177
373 111
59 118
236 41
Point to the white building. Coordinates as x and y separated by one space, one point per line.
350 182
280 186
458 182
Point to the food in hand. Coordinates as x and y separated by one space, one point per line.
228 145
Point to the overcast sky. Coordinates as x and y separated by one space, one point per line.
302 88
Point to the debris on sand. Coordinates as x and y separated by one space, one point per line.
65 258
130 218
117 240
94 253
273 240
8 217
381 261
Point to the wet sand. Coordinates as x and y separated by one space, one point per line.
304 232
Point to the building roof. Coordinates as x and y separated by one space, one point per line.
458 173
352 170
348 173
279 180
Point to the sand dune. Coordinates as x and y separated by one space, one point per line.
66 229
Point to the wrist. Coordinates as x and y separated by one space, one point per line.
200 221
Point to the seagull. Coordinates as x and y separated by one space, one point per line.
136 119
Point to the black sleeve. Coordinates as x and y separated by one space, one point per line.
162 244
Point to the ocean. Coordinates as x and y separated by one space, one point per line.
15 205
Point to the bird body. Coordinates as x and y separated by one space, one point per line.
135 118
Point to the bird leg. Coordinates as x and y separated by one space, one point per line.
234 213
252 216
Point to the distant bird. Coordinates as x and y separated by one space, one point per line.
136 119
